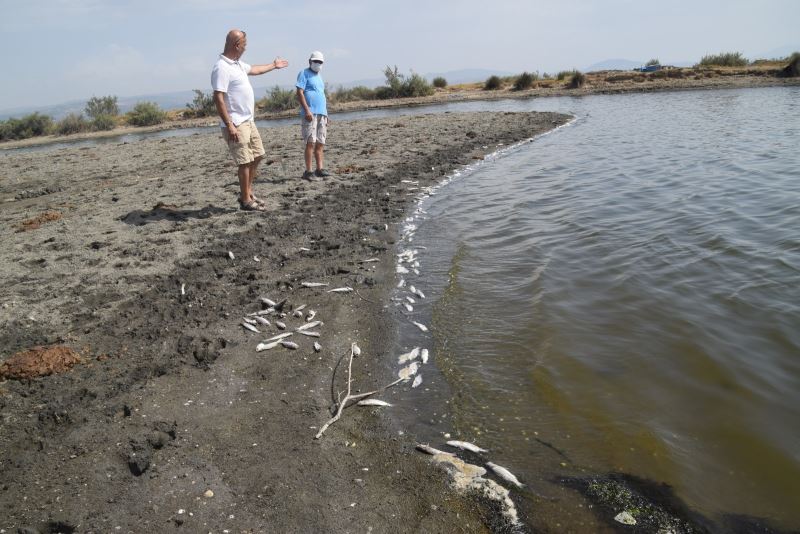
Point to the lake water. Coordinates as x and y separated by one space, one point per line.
622 295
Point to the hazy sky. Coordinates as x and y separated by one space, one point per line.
61 50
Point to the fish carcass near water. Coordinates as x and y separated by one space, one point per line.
340 290
505 474
250 327
417 381
313 284
420 326
408 371
465 445
373 402
408 356
430 450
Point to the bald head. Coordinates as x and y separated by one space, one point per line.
235 43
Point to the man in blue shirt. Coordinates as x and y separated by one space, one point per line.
313 114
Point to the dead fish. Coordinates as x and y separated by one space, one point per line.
248 320
417 381
430 450
340 290
408 306
372 402
408 356
231 256
313 284
250 327
317 347
301 307
261 320
311 315
424 355
356 350
418 293
309 334
401 270
505 474
297 313
416 272
280 325
255 258
278 337
412 301
267 346
290 345
268 302
420 326
466 445
306 326
401 283
371 260
304 249
183 289
409 371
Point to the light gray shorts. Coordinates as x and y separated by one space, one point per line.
314 131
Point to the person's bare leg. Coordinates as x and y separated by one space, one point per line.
244 183
309 151
253 173
318 156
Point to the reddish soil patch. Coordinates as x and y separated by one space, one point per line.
39 361
36 222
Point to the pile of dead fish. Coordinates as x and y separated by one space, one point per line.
258 322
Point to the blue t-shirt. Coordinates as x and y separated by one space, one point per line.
314 90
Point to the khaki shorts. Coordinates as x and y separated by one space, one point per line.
315 130
249 146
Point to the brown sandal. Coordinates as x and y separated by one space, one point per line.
258 200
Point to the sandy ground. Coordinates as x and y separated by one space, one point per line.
172 421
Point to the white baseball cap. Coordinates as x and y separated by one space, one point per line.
316 55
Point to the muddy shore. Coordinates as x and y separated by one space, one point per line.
136 259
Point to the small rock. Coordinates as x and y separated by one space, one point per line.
208 493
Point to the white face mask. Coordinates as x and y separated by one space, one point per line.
315 66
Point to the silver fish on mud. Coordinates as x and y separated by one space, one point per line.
183 289
356 350
268 302
251 327
307 333
373 402
314 284
505 474
465 445
408 356
317 347
408 371
261 320
417 381
290 345
423 355
306 326
408 307
301 307
231 256
401 270
248 320
311 315
280 325
278 337
401 283
430 450
341 290
267 346
420 326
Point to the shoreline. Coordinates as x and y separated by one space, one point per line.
172 420
474 93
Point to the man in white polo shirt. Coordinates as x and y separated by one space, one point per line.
235 102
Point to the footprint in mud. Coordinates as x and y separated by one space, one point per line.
141 450
204 351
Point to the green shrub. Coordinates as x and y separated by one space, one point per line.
202 105
104 122
72 124
32 125
792 70
352 94
564 74
492 83
726 59
525 81
146 114
400 86
652 62
439 82
106 105
577 80
278 99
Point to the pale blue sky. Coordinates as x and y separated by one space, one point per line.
61 50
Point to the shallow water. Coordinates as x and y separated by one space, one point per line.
624 295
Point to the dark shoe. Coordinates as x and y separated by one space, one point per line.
251 206
322 173
308 175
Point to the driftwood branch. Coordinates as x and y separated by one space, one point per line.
349 397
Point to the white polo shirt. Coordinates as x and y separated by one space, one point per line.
230 77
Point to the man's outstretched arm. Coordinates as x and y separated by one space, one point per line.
279 63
